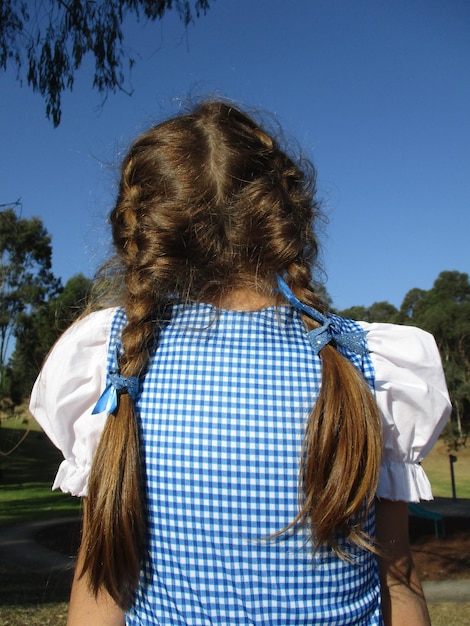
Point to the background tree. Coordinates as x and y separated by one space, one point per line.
444 311
26 280
323 294
46 41
410 303
37 330
377 312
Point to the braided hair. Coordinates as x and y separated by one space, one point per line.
208 203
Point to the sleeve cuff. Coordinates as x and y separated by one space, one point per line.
403 481
72 479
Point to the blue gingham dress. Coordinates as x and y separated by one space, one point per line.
222 414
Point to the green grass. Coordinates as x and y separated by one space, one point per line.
450 614
437 468
28 466
51 615
28 599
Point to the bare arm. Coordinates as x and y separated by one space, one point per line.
403 600
87 609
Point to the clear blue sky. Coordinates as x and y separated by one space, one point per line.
376 92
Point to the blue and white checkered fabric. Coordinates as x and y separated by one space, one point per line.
222 414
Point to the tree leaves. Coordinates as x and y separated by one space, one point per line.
13 15
51 40
26 279
37 330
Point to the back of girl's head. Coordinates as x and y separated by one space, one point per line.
208 202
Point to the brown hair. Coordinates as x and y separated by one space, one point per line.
207 203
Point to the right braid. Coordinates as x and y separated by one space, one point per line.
342 446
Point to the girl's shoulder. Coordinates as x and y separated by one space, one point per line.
413 400
65 392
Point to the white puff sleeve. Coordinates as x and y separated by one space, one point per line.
65 393
412 396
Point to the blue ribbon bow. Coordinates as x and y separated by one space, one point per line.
326 333
108 400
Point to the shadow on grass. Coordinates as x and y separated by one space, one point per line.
27 474
19 587
25 589
35 459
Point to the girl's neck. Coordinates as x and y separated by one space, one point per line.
246 300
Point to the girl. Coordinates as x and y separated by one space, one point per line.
245 457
